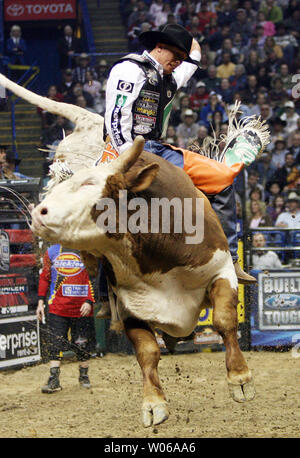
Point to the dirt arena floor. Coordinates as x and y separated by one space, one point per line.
195 386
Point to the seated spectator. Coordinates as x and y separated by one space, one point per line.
171 136
252 45
274 188
290 116
67 83
241 24
216 123
266 112
277 95
252 62
277 132
176 113
286 77
56 131
67 46
92 86
49 119
252 183
244 109
264 168
81 102
270 46
292 22
238 43
227 67
227 47
214 104
294 149
102 70
135 15
269 27
79 72
272 12
263 259
225 91
273 63
287 42
288 175
187 129
291 217
279 152
249 94
226 13
216 39
156 8
205 15
258 216
212 81
263 79
199 97
3 152
275 208
202 134
11 163
76 91
210 28
238 80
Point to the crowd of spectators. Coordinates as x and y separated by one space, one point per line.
250 53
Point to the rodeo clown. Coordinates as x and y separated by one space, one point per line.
139 94
65 280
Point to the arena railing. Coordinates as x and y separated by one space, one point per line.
29 76
290 244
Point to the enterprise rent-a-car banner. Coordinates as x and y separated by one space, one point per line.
19 341
39 10
275 310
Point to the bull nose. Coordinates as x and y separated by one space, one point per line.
44 211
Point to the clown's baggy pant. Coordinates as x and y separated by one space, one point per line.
215 179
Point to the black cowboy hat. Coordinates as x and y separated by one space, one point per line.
170 34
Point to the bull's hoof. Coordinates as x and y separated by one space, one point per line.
154 415
242 393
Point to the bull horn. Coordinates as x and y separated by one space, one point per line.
130 156
71 112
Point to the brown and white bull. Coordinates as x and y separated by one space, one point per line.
160 280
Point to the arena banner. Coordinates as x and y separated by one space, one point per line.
39 10
275 310
19 341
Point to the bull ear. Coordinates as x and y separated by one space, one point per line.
143 178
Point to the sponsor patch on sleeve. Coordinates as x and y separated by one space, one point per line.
125 86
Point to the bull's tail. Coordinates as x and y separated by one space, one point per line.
71 112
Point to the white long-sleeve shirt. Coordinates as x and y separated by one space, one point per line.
123 87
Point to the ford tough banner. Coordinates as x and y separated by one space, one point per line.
39 10
19 341
275 310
